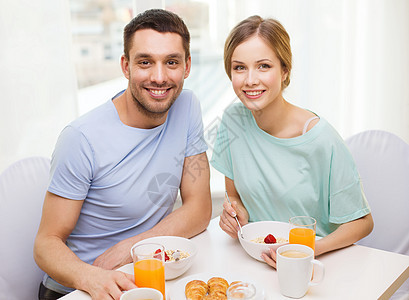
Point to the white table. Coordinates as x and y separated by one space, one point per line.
355 272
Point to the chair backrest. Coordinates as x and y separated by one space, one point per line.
22 190
382 160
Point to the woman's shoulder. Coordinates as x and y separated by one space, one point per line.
236 111
328 136
234 107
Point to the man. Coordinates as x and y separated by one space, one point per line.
116 171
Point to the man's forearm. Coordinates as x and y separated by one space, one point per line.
187 221
56 259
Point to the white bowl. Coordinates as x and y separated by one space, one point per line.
174 269
255 230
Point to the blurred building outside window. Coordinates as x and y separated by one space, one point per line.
97 28
97 34
338 56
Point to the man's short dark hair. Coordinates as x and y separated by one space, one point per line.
159 20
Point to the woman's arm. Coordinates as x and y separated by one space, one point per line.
346 234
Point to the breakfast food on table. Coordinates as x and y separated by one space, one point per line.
294 254
196 290
174 255
234 282
214 289
270 239
218 287
215 297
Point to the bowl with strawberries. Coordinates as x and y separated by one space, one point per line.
179 254
259 237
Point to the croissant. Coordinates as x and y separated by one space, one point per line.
234 292
234 282
196 290
214 297
217 288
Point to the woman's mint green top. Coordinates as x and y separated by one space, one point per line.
312 175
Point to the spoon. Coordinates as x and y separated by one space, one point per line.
241 230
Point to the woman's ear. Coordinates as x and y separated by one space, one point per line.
284 74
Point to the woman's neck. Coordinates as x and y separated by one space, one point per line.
275 119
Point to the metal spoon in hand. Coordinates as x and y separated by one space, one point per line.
241 230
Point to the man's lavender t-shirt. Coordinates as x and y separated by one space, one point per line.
129 177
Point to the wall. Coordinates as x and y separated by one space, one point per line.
350 60
350 65
37 78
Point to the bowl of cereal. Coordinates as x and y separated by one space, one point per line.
180 254
259 237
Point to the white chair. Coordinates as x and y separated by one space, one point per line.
22 190
382 160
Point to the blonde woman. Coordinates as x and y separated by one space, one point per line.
280 160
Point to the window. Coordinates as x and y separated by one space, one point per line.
97 27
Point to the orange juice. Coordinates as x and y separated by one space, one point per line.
303 236
150 273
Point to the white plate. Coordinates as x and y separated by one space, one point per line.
177 292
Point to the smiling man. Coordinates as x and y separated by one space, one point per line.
116 171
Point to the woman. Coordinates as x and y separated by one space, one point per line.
280 160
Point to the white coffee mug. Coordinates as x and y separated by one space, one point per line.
142 293
295 265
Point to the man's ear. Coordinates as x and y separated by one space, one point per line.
125 66
188 66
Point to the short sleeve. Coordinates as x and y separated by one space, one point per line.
196 143
347 198
221 158
71 165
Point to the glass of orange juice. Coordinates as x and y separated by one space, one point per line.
149 266
302 231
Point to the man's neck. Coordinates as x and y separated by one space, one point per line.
132 115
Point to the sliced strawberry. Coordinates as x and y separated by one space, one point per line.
270 239
157 252
166 257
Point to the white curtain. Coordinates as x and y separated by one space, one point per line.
375 75
37 77
350 58
350 65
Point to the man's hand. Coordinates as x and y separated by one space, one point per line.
116 256
106 284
